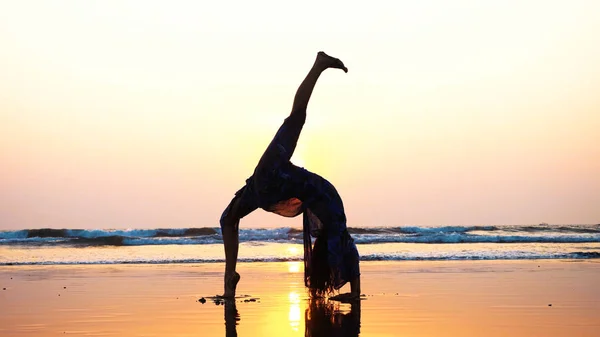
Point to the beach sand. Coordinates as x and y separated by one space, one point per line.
426 298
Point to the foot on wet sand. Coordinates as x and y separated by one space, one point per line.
231 281
325 61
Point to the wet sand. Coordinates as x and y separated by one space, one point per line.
450 298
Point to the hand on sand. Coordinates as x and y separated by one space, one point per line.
325 61
231 281
346 297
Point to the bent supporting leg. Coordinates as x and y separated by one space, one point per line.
230 233
355 282
230 221
355 287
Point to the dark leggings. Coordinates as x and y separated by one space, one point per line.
280 150
278 153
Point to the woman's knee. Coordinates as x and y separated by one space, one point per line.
297 118
239 207
229 218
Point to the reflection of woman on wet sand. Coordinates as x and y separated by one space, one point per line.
280 187
232 317
322 319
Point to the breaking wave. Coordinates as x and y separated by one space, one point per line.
368 235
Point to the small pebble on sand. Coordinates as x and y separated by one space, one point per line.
202 300
550 304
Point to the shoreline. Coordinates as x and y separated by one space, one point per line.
419 298
283 260
283 252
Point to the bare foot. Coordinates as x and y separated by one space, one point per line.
325 61
231 281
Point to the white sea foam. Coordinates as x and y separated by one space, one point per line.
368 235
368 257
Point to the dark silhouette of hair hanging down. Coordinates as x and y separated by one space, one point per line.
318 276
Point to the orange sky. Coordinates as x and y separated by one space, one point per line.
152 114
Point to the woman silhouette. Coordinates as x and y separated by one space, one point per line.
280 187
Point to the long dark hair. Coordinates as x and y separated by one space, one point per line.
321 278
318 275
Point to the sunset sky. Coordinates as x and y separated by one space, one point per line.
117 114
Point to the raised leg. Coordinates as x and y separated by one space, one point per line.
305 90
282 147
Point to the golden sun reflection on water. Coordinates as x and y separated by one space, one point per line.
294 313
294 266
295 309
293 251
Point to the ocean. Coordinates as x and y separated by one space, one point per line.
205 245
